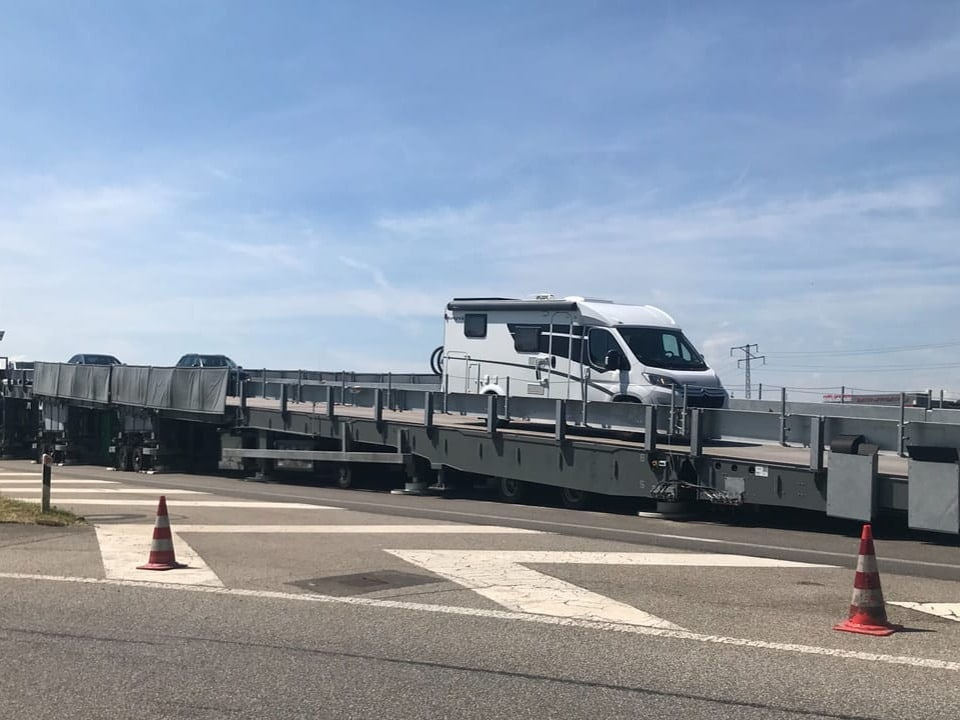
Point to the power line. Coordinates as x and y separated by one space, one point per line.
854 368
748 356
869 351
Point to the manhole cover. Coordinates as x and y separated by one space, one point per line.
113 518
360 583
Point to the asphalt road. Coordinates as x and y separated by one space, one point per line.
347 604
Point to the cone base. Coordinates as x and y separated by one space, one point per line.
878 630
161 566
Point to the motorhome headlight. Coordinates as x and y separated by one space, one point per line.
661 380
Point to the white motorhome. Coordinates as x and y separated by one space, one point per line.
573 348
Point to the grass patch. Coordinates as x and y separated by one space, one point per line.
28 513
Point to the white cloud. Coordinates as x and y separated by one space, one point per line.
130 267
378 277
903 68
221 174
265 254
45 218
105 202
832 270
434 222
585 234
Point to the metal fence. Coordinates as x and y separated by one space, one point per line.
893 429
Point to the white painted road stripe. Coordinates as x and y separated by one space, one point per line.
678 558
124 547
496 576
950 611
57 481
190 503
107 491
360 529
56 474
499 576
918 662
552 525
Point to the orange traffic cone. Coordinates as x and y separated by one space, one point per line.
162 556
868 613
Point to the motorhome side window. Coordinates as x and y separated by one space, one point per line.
526 339
600 343
475 325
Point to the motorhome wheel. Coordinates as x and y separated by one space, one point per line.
575 499
510 490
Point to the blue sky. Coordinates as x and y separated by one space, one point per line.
305 184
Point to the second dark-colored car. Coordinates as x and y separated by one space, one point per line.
196 360
93 359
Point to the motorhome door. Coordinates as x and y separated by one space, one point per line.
461 372
607 380
560 348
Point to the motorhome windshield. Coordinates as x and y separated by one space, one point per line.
662 348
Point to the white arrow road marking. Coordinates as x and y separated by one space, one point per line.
501 577
950 611
124 547
189 503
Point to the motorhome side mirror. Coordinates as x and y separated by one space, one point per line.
613 360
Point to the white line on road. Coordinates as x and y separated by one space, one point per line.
360 529
191 503
950 611
56 481
501 576
124 547
918 662
108 491
676 559
551 525
498 576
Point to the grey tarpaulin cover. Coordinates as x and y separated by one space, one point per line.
202 390
73 382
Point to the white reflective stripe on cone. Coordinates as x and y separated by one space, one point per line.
867 598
